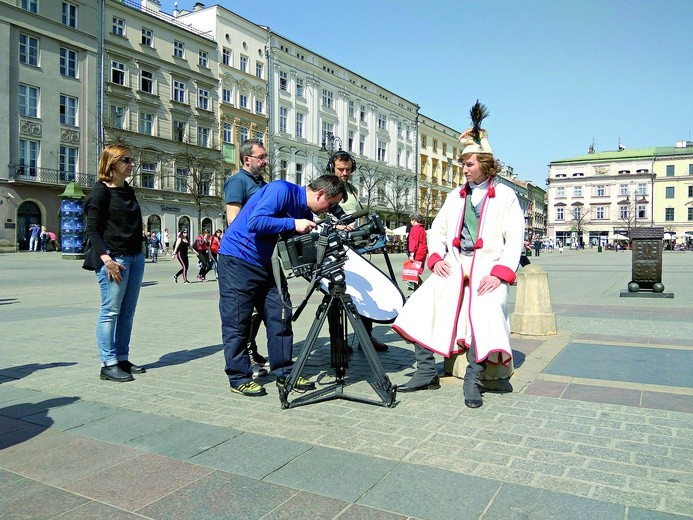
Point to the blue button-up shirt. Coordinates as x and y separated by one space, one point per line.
272 210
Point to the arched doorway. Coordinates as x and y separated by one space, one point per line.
27 214
184 223
208 225
154 224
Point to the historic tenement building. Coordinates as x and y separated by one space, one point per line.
48 73
599 197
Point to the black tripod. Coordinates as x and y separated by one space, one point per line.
338 307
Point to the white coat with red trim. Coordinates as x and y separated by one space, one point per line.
443 315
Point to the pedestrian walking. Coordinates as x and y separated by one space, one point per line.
417 247
214 243
180 252
201 247
153 244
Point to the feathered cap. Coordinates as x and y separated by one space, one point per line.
475 139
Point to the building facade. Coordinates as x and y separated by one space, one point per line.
242 77
161 100
598 198
318 107
439 168
49 69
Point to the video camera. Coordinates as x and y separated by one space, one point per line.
324 252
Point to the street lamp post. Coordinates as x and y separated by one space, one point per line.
328 143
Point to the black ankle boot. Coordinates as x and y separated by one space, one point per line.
472 386
472 393
115 373
420 383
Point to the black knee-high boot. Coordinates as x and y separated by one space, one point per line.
472 385
426 375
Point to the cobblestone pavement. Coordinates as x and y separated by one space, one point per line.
600 424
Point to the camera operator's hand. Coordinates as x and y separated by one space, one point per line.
340 227
304 225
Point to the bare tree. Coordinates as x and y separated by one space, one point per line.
429 204
580 219
370 179
628 216
198 170
397 186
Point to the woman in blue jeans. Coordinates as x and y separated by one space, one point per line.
114 230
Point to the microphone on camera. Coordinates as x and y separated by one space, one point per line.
354 216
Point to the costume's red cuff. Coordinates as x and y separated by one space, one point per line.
433 260
505 274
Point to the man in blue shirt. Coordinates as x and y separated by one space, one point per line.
246 280
237 191
35 232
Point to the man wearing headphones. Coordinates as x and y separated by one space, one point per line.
342 164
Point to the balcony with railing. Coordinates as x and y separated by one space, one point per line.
34 174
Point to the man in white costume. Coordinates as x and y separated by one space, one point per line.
475 244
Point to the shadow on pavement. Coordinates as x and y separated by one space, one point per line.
518 358
183 356
21 371
16 431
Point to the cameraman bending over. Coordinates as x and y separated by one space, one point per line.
342 164
246 280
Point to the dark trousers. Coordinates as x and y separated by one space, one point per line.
242 287
474 369
204 263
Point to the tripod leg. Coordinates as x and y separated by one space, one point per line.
338 340
383 386
308 347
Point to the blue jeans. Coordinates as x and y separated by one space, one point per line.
242 287
118 303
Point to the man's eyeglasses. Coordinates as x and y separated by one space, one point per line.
259 157
127 160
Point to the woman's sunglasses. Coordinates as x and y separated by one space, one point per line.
127 160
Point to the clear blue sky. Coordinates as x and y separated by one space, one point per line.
556 75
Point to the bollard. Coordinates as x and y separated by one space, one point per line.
533 314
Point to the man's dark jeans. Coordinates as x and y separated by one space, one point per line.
243 286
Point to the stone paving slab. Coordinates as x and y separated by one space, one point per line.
621 363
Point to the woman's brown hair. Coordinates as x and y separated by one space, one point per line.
109 157
488 164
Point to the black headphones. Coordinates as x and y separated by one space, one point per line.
341 155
